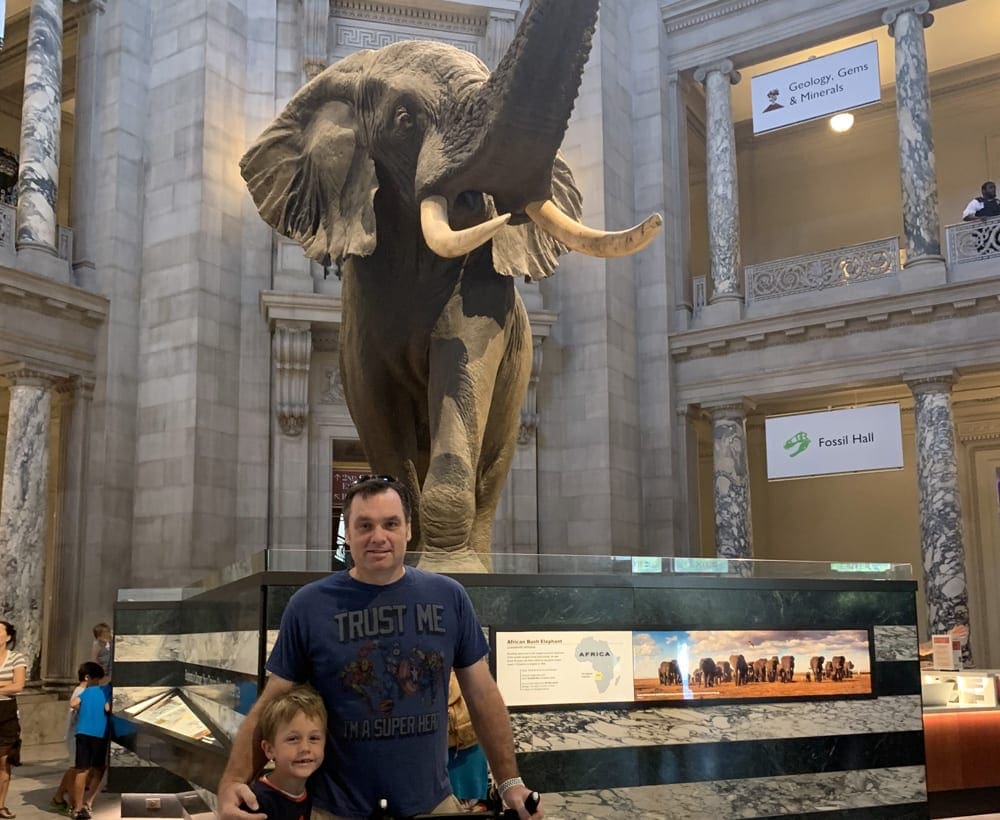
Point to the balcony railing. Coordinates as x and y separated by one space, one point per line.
819 271
8 245
973 241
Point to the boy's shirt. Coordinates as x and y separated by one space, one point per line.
93 720
279 805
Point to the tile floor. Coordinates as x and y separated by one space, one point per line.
34 782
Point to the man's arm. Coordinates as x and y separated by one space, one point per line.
246 758
492 724
972 210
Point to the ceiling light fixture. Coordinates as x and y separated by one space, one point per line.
842 122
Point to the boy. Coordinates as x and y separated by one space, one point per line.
92 704
293 737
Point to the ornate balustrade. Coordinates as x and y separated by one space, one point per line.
973 241
7 214
819 271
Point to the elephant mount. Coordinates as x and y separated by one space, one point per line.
432 185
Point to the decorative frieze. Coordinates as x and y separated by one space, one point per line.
409 17
675 21
355 38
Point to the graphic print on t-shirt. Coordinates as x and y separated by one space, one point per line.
390 672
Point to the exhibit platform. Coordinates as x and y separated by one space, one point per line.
639 687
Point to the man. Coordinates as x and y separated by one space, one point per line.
985 206
378 642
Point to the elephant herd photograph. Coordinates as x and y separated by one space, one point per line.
712 665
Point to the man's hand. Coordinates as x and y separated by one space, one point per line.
514 798
231 796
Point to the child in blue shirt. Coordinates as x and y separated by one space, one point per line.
93 704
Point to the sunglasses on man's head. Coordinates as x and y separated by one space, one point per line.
385 479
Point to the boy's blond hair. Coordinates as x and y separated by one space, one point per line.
283 708
102 630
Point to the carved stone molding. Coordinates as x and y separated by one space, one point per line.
724 67
315 33
291 347
921 8
409 17
979 431
940 382
333 389
21 375
354 38
674 21
85 7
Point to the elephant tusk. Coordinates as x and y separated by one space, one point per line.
449 243
607 244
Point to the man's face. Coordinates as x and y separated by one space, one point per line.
377 532
990 190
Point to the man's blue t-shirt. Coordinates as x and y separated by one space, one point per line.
93 720
380 656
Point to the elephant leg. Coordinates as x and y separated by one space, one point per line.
379 408
500 435
478 370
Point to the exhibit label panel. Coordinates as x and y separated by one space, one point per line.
586 667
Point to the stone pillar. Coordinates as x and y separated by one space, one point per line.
41 118
500 30
731 481
86 138
907 22
687 520
942 547
291 351
63 619
23 509
723 190
315 28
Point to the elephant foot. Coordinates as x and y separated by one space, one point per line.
461 560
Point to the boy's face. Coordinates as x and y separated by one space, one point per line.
297 750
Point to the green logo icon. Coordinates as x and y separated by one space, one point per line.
800 441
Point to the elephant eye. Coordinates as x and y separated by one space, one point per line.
403 120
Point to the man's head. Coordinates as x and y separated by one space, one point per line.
989 190
377 513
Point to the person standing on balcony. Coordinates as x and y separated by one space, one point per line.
985 206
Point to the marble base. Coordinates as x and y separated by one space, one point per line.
922 273
722 312
40 259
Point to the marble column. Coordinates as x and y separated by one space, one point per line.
315 31
86 139
731 481
500 28
41 119
907 22
723 191
23 508
941 542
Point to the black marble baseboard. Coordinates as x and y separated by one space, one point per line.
964 802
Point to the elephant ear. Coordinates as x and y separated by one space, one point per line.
311 178
527 250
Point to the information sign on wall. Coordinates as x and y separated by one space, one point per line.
816 88
836 441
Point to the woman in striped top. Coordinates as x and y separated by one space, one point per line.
13 670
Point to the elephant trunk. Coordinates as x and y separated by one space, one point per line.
504 140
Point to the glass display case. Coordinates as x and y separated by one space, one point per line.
965 689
